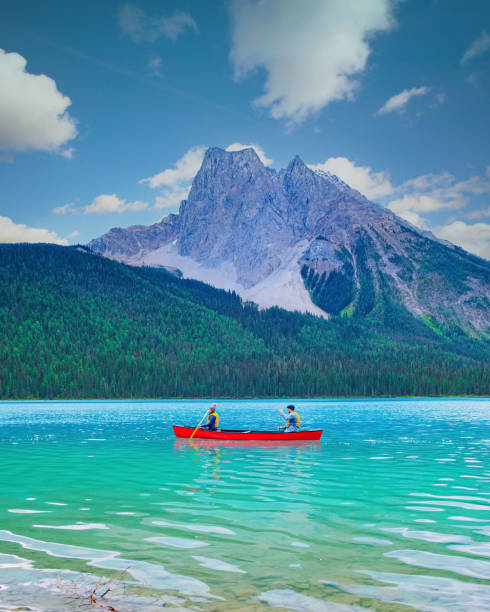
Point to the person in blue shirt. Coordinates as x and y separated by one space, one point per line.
292 419
212 421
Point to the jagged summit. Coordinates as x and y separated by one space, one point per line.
304 240
297 162
219 153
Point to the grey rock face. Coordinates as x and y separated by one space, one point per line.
305 240
122 244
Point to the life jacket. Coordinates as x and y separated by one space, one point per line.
298 419
216 423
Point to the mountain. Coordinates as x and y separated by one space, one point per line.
78 325
306 241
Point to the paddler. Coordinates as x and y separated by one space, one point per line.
212 421
292 419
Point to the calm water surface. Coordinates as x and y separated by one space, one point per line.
390 512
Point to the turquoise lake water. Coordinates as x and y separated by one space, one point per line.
389 512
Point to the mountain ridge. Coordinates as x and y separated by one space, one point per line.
304 240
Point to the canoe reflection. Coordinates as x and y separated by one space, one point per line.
183 442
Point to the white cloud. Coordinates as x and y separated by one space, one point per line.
477 47
33 112
371 184
398 103
474 238
185 169
110 203
105 203
410 207
238 146
65 209
176 182
312 53
74 234
172 196
421 202
19 232
141 27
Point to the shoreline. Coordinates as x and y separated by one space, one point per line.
245 398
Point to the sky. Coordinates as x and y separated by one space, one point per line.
106 108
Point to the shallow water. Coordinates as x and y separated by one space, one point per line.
390 511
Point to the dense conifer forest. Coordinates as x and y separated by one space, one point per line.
77 325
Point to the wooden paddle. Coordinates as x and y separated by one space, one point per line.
199 424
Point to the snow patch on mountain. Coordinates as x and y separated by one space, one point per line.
219 273
284 287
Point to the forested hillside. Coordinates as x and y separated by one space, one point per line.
77 325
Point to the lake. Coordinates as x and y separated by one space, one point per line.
390 511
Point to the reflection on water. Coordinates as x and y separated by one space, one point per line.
391 509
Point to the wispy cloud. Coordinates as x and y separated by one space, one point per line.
431 192
155 66
478 47
141 27
479 214
399 102
65 209
101 204
473 79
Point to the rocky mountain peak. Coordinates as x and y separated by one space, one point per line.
216 159
304 240
297 165
221 168
297 170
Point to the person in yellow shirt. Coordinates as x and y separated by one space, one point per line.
292 419
212 421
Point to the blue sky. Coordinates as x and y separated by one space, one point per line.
391 96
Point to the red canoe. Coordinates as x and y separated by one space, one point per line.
242 434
